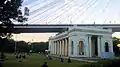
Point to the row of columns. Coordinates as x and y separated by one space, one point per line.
59 47
100 46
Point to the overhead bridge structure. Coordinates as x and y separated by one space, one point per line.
75 40
23 28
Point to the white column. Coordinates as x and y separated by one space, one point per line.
111 45
102 44
86 49
55 47
60 47
66 47
52 47
99 46
69 47
63 47
89 47
49 45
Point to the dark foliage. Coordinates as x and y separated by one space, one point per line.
115 48
9 46
9 10
39 46
22 46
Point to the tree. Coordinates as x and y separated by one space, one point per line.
9 11
9 46
115 42
39 46
22 46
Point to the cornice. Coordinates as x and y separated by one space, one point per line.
90 30
66 33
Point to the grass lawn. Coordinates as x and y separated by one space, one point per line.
36 60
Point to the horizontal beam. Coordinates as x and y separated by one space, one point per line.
47 28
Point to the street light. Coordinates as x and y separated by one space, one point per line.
15 42
118 45
29 46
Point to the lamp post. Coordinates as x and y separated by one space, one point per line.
15 42
32 45
15 47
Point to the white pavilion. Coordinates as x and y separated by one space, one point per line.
83 42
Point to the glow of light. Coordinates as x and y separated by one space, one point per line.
118 45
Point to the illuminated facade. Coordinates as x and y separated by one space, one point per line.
83 42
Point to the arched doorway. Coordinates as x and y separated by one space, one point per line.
106 47
94 46
81 48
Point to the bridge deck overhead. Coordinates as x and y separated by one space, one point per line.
20 28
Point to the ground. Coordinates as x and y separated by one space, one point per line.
37 60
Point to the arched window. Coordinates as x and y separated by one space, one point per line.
106 47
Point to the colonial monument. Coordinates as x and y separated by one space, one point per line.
85 41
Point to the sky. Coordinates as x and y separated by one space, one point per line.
69 12
33 37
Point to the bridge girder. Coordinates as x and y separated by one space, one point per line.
20 28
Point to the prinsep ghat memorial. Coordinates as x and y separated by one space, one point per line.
83 42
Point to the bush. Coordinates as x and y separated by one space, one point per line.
116 63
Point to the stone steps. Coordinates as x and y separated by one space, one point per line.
84 59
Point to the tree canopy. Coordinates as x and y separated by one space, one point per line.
10 10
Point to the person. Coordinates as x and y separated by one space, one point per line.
69 60
23 56
50 58
61 59
20 58
47 57
17 56
45 64
2 56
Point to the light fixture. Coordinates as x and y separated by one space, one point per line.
118 45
